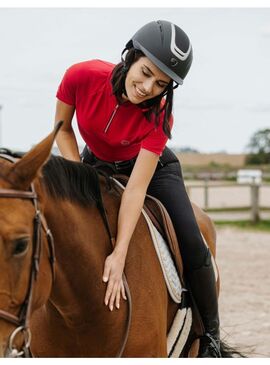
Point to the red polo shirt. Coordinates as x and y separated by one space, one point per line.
112 132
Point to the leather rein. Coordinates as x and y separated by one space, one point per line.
22 319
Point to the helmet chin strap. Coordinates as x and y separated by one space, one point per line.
124 69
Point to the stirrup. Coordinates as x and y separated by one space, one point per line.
213 345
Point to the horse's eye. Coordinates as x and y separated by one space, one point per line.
20 246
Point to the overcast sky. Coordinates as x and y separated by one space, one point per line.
225 97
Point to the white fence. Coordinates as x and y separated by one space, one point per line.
225 196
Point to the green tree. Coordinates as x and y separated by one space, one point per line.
259 148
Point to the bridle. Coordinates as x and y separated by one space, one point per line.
22 319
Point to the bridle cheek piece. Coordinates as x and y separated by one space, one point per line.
21 321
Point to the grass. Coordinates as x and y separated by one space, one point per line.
223 209
235 209
263 225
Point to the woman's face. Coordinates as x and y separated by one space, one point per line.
144 81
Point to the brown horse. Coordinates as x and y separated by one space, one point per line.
67 315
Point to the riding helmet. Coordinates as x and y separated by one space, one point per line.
167 46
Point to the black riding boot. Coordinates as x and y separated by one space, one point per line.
203 287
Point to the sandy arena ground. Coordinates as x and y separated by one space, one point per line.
243 258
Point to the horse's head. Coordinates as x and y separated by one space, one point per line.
26 247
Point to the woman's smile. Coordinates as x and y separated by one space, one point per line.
139 93
144 81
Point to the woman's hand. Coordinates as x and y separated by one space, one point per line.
113 271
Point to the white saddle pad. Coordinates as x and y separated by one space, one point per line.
167 265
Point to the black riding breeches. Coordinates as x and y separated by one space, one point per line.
167 185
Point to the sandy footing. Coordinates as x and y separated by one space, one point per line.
243 258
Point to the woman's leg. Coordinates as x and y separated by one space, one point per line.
167 185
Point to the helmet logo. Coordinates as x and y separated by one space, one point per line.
174 62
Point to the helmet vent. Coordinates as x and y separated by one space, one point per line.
161 31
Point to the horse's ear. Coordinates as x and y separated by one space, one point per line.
26 169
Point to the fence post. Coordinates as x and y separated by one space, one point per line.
206 191
255 212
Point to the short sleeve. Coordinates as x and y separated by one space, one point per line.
82 77
67 89
156 140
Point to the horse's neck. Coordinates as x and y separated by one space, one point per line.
81 245
76 309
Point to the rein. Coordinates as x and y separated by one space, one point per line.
22 320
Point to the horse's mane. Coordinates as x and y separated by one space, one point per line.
74 181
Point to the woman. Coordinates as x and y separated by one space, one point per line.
124 116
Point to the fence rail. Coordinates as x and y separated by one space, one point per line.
231 196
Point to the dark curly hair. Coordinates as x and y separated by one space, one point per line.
153 106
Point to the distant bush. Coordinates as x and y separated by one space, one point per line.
259 158
259 148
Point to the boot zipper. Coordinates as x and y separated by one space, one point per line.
111 118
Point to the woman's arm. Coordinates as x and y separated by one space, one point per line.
130 210
66 140
133 198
